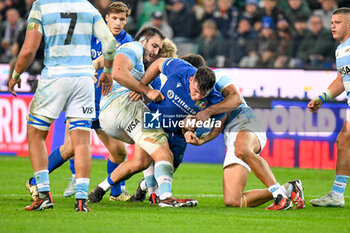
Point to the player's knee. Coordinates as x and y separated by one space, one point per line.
140 165
117 157
67 150
232 201
244 153
342 142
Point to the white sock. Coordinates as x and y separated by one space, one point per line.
275 189
105 185
143 185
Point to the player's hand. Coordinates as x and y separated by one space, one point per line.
12 85
155 95
135 96
314 105
202 115
107 83
191 138
189 123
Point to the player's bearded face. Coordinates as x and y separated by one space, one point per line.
152 48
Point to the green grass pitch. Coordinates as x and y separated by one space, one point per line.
200 181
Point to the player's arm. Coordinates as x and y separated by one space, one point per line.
98 63
153 71
109 43
191 137
26 56
231 101
122 74
335 89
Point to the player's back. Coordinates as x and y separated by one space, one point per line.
67 28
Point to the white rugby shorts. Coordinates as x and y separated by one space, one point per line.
230 132
122 119
73 95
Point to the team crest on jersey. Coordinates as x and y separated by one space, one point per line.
201 104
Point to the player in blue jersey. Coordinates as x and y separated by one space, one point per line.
178 104
66 85
341 32
116 19
244 139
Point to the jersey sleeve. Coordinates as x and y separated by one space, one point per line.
176 67
222 80
133 50
96 15
215 97
35 15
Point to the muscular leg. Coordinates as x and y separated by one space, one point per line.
343 146
66 149
116 148
118 152
247 147
125 170
234 181
81 145
37 149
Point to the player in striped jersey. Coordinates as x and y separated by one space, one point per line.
66 85
341 32
244 139
116 19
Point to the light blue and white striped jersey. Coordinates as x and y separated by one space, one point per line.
134 51
342 55
67 29
222 81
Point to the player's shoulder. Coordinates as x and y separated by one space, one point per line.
343 50
133 45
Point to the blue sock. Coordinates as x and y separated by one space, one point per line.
71 166
43 182
339 185
115 190
163 172
110 181
55 161
82 187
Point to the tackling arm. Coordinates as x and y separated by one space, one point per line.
191 137
109 43
153 71
231 101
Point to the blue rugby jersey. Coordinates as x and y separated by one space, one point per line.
342 55
67 36
178 102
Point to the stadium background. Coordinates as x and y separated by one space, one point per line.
278 91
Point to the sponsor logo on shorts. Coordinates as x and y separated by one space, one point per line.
132 125
88 110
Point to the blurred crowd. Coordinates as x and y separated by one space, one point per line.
227 33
